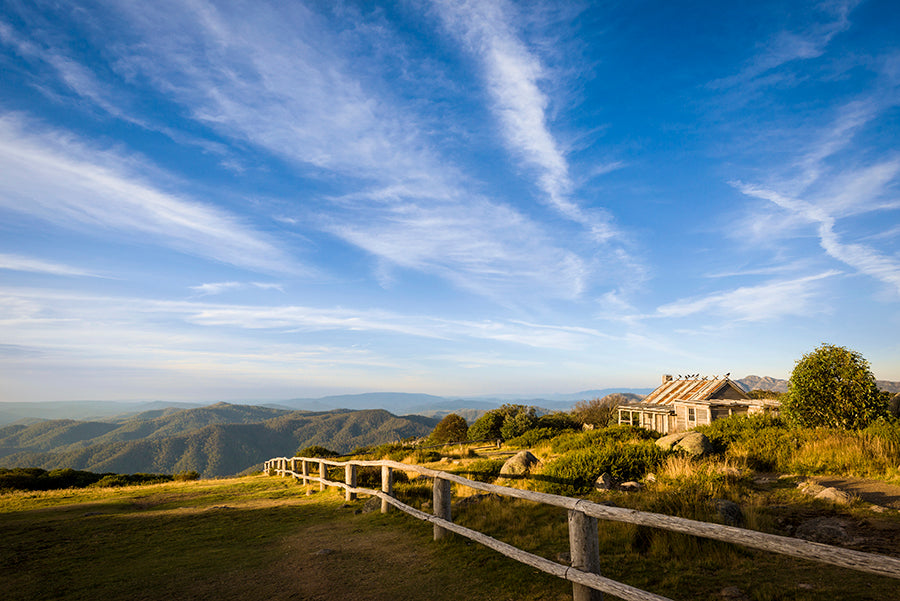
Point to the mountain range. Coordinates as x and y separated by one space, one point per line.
218 440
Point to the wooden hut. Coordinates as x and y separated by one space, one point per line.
682 403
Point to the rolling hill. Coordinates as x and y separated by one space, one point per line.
218 440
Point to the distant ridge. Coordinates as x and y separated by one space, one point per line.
765 383
218 440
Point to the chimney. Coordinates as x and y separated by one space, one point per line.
667 378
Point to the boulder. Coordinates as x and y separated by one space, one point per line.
631 486
667 442
729 512
519 464
826 530
835 495
371 505
733 593
604 482
694 443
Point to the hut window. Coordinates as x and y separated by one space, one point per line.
692 415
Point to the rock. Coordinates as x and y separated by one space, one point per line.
694 443
650 477
371 505
324 552
826 530
631 486
604 482
835 495
729 512
519 464
810 488
733 592
667 442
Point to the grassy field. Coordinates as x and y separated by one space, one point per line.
263 538
247 538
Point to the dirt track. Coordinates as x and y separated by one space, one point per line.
871 491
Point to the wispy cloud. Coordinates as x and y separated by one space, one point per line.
808 41
512 74
282 81
32 265
33 316
212 288
54 177
768 301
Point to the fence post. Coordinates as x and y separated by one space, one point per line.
350 480
441 499
584 547
304 467
323 474
387 486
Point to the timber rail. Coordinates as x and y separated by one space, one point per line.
582 523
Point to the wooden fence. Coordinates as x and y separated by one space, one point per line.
588 584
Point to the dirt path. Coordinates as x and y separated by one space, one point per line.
871 491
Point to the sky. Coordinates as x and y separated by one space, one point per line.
263 200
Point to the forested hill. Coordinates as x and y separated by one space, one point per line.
219 440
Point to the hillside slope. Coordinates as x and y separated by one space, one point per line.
218 440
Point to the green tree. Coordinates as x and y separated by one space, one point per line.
453 428
833 387
490 425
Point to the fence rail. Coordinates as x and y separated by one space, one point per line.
582 521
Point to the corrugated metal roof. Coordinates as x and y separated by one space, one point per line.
688 390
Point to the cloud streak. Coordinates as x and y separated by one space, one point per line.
54 177
773 300
512 74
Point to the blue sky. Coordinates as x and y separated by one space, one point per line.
251 200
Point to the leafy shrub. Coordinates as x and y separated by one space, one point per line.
580 440
739 428
39 479
186 476
533 437
110 480
833 387
426 456
559 421
516 424
315 451
575 472
395 451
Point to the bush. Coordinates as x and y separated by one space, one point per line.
833 387
620 433
315 451
516 424
575 472
110 480
186 476
559 421
533 437
426 456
